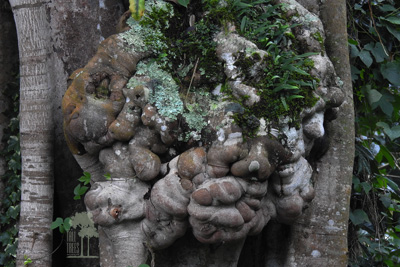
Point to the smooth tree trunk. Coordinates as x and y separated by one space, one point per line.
36 130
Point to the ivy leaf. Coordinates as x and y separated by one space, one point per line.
354 52
366 58
67 223
393 31
85 179
390 71
61 229
387 8
393 185
378 52
184 2
4 238
374 96
358 216
392 19
366 187
79 191
13 143
137 9
392 133
13 211
14 165
83 190
352 42
376 99
56 223
354 73
356 184
384 152
386 200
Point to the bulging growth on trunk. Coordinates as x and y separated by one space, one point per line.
201 126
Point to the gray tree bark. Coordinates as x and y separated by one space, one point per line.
73 32
326 217
55 38
36 131
319 238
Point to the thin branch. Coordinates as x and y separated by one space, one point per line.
191 80
373 23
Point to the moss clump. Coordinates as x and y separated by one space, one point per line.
185 61
284 87
180 53
317 36
148 35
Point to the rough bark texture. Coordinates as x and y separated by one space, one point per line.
77 28
207 186
9 70
320 237
36 130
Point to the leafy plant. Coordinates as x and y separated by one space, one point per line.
27 260
285 86
9 214
374 236
183 2
62 224
80 189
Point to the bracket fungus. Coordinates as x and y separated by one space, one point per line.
178 154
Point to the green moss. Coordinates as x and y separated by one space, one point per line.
317 36
182 51
148 33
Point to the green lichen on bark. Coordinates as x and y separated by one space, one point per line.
185 51
165 91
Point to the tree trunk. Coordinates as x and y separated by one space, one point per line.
304 242
36 129
55 38
307 243
320 237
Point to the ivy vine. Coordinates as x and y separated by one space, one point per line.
10 207
374 42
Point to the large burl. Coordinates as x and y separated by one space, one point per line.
177 156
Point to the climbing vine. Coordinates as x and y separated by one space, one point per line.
10 208
374 41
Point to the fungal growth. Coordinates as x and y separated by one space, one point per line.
202 126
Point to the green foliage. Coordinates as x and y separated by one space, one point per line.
85 178
27 260
62 224
285 86
9 213
107 176
81 189
183 2
375 215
